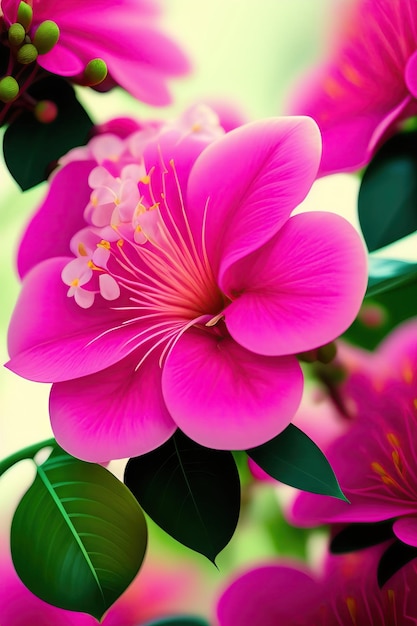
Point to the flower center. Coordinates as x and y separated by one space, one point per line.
141 251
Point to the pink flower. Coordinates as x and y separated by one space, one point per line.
201 292
370 84
381 482
155 592
345 593
125 34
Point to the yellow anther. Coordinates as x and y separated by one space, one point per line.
120 243
352 608
196 127
104 244
75 282
145 179
407 373
393 440
81 250
154 206
385 477
138 229
92 266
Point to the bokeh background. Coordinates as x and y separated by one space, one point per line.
251 53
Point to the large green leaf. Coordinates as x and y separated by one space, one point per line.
179 620
390 274
191 492
294 459
31 148
387 202
78 536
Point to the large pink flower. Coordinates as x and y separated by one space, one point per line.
189 293
157 591
375 461
369 85
123 33
345 593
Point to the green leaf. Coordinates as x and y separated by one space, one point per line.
191 492
295 460
389 274
27 453
31 149
78 536
178 621
387 202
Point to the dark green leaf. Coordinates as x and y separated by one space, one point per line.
389 274
295 460
394 558
191 492
32 148
78 536
178 621
358 536
387 201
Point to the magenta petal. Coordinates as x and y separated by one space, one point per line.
411 74
58 218
113 414
405 529
49 334
299 291
223 396
271 595
61 61
250 181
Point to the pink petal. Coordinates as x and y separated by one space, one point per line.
58 218
114 414
251 180
299 291
49 334
405 529
271 595
225 397
62 61
411 74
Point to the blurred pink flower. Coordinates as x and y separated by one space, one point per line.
289 594
189 292
125 34
381 481
157 591
369 84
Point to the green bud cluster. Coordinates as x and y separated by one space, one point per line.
9 89
45 38
95 72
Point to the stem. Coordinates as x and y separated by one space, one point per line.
26 453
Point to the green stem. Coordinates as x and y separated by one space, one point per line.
26 453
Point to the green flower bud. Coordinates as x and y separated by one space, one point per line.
95 72
27 54
9 89
46 111
16 34
46 36
25 15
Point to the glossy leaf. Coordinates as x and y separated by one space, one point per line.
358 536
78 536
191 492
294 459
387 202
178 620
389 274
394 558
31 149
